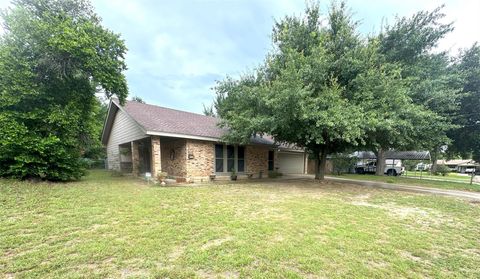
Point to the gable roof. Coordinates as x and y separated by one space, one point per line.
457 162
161 121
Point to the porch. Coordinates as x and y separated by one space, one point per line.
154 154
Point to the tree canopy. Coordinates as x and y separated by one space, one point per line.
466 139
329 89
54 56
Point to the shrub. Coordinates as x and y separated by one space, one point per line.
274 174
342 163
116 173
162 176
442 170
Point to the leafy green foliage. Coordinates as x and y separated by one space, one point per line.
429 76
342 163
466 139
54 57
442 170
303 93
327 89
138 99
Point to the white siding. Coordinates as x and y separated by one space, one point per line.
124 130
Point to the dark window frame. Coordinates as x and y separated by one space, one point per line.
226 160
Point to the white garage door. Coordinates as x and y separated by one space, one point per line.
290 162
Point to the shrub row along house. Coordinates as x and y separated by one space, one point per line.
143 138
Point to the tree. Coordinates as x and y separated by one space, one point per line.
208 110
342 163
54 57
466 139
138 99
428 75
94 148
303 93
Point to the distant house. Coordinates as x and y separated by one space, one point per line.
459 165
143 138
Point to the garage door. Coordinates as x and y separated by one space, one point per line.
290 162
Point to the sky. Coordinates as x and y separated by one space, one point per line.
177 50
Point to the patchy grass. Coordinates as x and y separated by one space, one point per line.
116 227
448 184
455 177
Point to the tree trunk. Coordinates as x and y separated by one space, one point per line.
317 165
434 155
380 162
320 163
323 164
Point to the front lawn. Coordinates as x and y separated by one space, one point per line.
445 184
121 227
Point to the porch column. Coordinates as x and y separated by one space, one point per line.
156 156
135 159
305 164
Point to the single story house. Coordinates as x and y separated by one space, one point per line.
459 165
142 138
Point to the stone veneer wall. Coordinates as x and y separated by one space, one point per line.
174 156
200 159
256 158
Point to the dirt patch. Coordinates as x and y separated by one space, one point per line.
421 216
133 273
410 256
176 253
293 268
216 242
210 274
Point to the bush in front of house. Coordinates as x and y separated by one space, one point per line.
274 174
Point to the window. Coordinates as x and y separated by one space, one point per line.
218 158
241 159
229 157
270 160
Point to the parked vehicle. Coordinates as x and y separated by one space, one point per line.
470 170
392 167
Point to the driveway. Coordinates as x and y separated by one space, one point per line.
397 187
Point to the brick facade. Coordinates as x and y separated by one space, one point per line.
195 159
256 159
156 164
200 159
174 157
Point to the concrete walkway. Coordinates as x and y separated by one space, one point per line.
398 187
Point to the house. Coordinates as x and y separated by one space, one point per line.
142 138
459 165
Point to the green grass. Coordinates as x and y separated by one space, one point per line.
454 185
116 227
449 177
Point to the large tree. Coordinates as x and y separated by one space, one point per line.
466 139
432 83
303 94
54 57
385 97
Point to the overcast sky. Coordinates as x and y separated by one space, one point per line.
178 49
